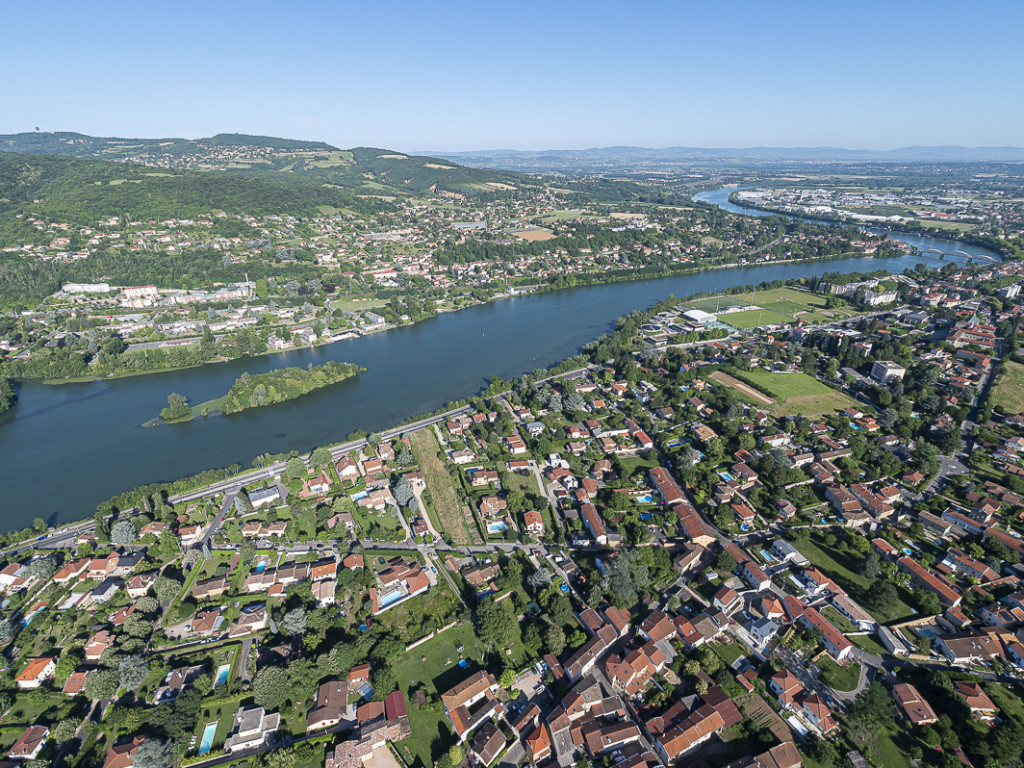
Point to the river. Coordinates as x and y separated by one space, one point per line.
720 197
66 448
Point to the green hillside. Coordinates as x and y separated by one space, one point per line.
365 170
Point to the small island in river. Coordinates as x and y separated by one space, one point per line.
254 390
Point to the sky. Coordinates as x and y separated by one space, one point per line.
558 74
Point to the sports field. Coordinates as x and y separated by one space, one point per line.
776 305
795 393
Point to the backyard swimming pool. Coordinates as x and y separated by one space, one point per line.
222 674
207 743
498 527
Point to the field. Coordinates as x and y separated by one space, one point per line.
754 318
745 390
442 493
533 235
434 668
777 305
797 393
1008 393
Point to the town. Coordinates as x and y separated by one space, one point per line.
772 528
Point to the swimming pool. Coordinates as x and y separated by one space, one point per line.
497 527
207 743
260 567
222 674
647 499
725 476
389 598
360 495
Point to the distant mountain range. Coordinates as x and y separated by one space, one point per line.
622 158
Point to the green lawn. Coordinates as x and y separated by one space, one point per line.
728 652
840 678
1008 393
841 623
378 525
869 644
431 732
1009 703
796 393
754 318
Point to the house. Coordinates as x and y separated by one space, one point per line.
253 728
138 585
762 630
329 707
784 755
969 647
75 683
754 576
175 683
726 599
252 619
123 755
815 711
206 622
835 642
533 522
30 743
97 644
852 611
915 709
975 697
922 578
461 702
487 743
786 687
538 743
38 671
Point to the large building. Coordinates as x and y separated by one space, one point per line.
886 371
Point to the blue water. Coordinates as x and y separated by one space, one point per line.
646 516
648 499
391 597
207 743
726 476
222 675
261 567
360 495
462 663
766 556
497 527
564 587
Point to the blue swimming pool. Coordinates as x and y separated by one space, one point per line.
646 499
261 567
726 476
389 598
222 674
207 743
497 527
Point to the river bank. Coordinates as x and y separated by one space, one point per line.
92 431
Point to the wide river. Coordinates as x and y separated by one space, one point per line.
66 448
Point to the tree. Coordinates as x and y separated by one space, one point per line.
132 672
871 566
872 706
270 688
295 468
725 562
65 730
39 525
508 678
101 684
204 684
321 457
166 589
554 639
456 754
154 753
123 532
403 491
147 605
497 624
177 408
42 568
294 621
928 602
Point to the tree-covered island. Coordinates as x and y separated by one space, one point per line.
254 390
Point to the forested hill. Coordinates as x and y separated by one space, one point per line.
367 170
81 192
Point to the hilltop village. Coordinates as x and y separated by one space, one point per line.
773 528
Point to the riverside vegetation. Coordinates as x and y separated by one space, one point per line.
254 390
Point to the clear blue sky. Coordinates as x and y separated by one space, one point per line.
527 75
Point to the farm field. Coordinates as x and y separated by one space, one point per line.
446 503
797 393
533 235
1008 393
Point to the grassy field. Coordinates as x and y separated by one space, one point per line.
1008 393
797 393
431 733
754 318
446 503
779 305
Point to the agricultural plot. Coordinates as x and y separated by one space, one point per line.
446 503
